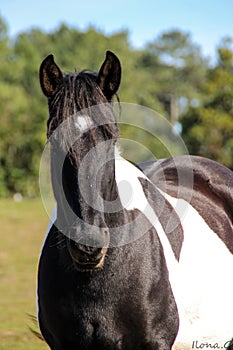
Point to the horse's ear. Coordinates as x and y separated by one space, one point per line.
51 78
109 76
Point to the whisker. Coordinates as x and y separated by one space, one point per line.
58 243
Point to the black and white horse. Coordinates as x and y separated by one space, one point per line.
152 272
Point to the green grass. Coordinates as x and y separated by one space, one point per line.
23 226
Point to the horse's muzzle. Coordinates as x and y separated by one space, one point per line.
87 257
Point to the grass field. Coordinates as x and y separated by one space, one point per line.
23 227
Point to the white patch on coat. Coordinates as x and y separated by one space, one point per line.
132 197
204 288
201 282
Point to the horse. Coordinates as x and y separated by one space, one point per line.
120 274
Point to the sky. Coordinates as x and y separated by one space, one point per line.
207 20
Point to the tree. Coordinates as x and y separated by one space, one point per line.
208 128
21 129
167 71
178 68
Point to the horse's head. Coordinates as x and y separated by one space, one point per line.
82 131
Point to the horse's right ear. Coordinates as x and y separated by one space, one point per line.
109 76
51 78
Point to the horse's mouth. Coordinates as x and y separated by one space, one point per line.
89 265
85 257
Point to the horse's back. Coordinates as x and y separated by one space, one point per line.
203 173
206 185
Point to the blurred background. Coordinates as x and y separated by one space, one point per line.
177 59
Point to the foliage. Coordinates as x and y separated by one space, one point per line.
208 128
177 69
170 75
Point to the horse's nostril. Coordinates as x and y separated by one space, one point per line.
89 251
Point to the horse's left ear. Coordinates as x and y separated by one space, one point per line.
109 76
51 78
